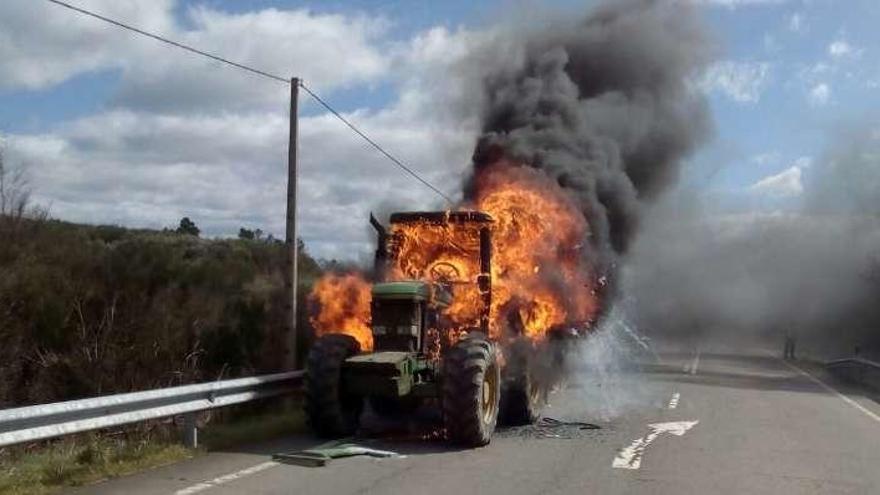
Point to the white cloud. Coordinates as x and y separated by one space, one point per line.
804 162
820 94
43 44
228 171
744 82
187 137
775 158
784 184
796 22
817 70
843 49
768 158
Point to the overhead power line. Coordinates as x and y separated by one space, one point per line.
375 145
170 42
265 74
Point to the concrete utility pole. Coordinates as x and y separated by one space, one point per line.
290 238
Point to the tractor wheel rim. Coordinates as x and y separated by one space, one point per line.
534 392
489 392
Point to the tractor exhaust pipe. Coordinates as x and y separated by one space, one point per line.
380 261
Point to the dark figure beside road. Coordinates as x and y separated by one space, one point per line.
790 341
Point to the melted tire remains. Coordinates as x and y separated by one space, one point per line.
522 397
471 392
330 412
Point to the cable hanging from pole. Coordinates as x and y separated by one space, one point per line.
374 144
268 75
170 42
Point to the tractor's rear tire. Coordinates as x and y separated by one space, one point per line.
471 391
330 411
522 395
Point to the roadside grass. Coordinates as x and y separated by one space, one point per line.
91 458
79 462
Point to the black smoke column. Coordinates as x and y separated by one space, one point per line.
607 107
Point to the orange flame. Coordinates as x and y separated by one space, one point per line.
539 277
342 305
538 272
537 260
446 252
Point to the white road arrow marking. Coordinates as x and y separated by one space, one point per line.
677 428
631 457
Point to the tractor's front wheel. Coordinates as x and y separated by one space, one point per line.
471 390
330 410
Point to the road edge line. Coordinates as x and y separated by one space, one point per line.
226 478
834 391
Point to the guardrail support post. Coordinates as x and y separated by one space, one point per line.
190 431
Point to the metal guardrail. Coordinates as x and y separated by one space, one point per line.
858 370
26 424
854 360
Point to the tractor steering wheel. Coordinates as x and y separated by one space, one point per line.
444 271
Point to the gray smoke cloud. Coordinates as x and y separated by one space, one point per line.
603 372
603 106
699 273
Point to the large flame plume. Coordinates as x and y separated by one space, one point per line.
538 268
539 278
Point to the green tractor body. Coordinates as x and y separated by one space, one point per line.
417 354
398 367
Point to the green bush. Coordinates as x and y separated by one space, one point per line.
88 310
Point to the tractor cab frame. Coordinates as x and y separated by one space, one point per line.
388 253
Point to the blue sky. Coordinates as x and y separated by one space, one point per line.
79 96
821 70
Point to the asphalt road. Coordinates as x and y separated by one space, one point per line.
691 421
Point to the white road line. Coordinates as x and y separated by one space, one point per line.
631 457
695 363
205 485
833 391
673 402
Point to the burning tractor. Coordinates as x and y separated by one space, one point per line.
434 337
